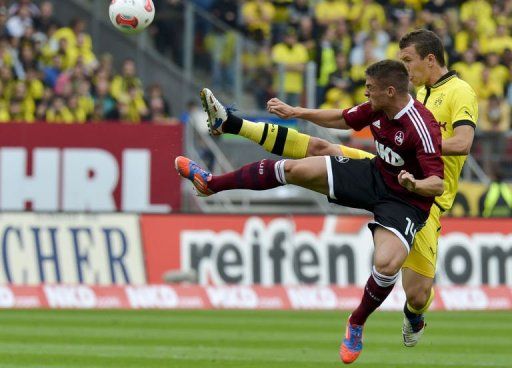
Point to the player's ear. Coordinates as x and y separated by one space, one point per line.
431 58
391 91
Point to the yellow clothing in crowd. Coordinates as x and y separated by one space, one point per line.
296 54
331 11
361 14
258 16
120 85
481 11
64 115
471 73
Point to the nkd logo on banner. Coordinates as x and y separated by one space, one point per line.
312 250
62 248
88 168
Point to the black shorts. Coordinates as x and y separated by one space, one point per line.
358 184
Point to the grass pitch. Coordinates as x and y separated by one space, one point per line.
243 339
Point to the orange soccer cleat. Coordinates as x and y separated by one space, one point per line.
352 344
188 169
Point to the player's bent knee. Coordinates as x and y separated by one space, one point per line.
295 170
417 296
298 171
388 267
321 147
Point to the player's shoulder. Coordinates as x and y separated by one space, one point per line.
422 110
362 107
421 118
459 86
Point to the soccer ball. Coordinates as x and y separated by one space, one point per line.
131 16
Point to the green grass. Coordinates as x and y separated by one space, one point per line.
242 339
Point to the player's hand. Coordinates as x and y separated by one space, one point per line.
281 109
407 180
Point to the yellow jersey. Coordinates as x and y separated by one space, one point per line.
453 103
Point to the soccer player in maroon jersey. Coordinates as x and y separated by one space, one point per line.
398 185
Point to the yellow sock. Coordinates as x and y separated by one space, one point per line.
276 139
296 144
252 131
355 153
425 307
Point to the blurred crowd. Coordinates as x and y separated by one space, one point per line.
49 72
344 36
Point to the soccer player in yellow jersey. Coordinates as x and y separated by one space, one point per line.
454 105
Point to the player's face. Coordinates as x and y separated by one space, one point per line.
376 95
416 66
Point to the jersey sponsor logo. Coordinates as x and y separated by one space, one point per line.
442 126
399 138
439 100
342 159
376 124
388 155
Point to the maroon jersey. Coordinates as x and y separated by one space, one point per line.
410 141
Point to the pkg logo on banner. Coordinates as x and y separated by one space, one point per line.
311 250
89 167
70 248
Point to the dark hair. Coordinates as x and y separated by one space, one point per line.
425 42
390 73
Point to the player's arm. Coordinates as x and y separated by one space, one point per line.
461 141
464 115
328 118
429 187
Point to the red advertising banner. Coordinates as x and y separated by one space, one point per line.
311 250
237 297
227 249
89 167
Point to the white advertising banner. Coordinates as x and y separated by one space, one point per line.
70 249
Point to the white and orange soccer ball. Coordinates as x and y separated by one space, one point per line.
131 16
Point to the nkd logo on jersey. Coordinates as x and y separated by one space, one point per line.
388 155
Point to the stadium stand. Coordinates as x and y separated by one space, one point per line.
343 37
49 72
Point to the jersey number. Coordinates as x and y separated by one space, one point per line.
410 228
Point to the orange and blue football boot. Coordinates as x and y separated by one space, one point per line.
352 344
188 169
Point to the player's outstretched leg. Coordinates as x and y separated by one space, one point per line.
260 175
273 138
